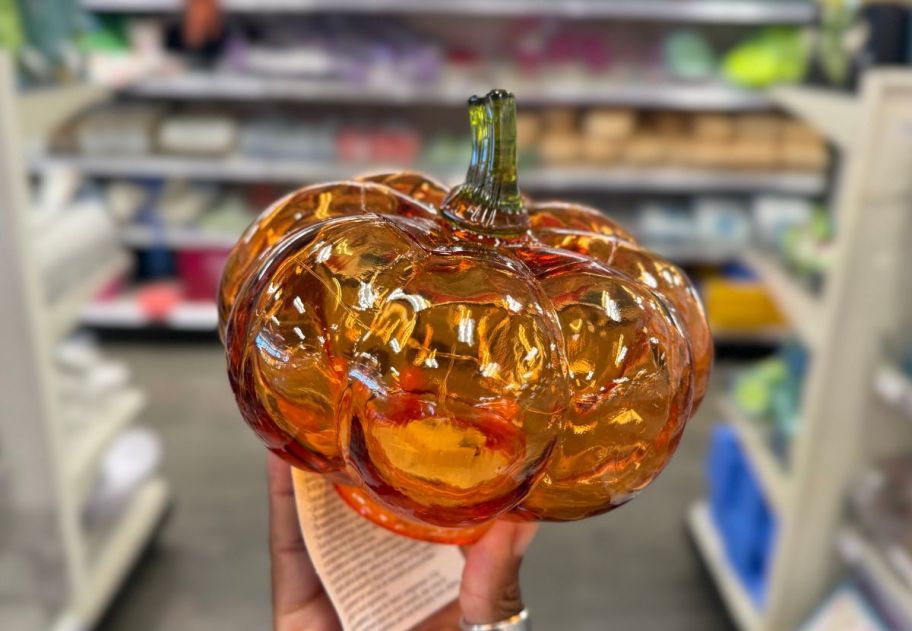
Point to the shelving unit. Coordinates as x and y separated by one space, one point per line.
800 306
126 314
704 11
769 470
200 85
49 464
858 552
862 303
711 547
251 170
894 388
65 312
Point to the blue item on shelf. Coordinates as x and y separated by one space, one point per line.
740 511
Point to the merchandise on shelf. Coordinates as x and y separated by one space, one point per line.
769 56
745 522
553 137
199 134
738 302
881 501
769 393
847 608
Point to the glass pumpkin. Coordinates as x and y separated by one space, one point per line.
450 357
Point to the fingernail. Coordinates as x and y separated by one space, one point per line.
523 537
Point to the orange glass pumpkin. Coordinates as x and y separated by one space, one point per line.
450 357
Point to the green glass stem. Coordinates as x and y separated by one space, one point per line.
489 201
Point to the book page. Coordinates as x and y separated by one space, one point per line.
376 579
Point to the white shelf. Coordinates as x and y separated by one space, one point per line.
741 606
592 179
117 554
894 387
90 441
657 94
65 311
799 304
125 313
834 114
705 11
771 475
178 238
859 552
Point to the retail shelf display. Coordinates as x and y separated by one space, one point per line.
709 543
767 336
608 179
894 387
749 12
91 439
117 551
861 553
799 305
65 312
844 328
835 115
126 313
771 473
52 460
233 86
176 238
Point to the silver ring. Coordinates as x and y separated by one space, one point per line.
519 622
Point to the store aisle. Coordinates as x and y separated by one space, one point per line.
633 570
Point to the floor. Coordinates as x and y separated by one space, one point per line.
633 569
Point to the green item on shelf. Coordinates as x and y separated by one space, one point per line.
835 45
688 55
108 35
12 36
753 389
784 405
772 55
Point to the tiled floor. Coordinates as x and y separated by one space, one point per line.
631 570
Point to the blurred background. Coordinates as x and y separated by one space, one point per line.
765 146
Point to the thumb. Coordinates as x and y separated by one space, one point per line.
490 580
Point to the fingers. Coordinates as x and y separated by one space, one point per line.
490 581
294 580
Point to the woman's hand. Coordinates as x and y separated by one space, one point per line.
490 580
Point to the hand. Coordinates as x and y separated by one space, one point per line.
490 580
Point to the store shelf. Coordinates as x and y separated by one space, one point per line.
894 387
769 336
836 115
591 179
126 314
89 442
861 553
770 472
705 11
176 238
658 94
798 303
710 546
117 553
65 311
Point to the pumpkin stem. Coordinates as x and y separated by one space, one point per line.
489 201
